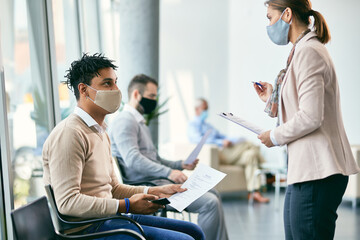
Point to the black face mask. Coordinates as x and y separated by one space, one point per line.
148 105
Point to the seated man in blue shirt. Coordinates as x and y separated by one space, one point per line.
131 143
233 151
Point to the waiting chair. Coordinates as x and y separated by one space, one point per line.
61 224
33 222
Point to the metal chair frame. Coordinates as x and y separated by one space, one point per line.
33 222
61 224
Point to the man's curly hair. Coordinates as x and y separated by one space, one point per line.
85 69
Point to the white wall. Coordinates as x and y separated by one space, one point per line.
343 19
193 61
215 48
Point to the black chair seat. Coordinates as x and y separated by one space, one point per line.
33 222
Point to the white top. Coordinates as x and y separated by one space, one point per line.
89 120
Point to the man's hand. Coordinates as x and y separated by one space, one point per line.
190 166
166 190
265 139
140 204
227 143
177 176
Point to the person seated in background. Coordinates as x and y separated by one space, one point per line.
78 163
131 143
234 151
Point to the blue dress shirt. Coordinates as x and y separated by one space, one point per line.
198 127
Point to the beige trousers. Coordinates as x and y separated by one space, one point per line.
246 155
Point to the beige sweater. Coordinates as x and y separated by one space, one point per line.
77 163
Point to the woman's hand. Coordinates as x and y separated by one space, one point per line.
265 139
265 91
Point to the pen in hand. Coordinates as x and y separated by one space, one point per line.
260 85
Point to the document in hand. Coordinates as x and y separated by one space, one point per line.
242 122
193 155
202 180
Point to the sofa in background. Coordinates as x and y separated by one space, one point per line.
209 155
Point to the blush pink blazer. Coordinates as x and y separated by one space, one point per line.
312 126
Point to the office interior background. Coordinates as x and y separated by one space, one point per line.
194 48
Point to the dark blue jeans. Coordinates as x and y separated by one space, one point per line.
154 227
310 208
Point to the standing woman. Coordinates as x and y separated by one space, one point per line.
306 100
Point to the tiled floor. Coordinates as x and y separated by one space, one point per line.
264 222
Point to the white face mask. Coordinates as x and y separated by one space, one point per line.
109 100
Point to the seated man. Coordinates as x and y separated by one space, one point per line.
78 163
132 143
234 151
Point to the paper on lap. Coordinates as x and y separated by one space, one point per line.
201 181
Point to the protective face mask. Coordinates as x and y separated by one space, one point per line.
279 31
148 105
109 100
204 115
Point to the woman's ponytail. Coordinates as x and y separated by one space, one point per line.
321 27
302 9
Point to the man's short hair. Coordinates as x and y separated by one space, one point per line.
85 69
139 82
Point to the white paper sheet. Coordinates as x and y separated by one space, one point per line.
202 180
242 122
193 155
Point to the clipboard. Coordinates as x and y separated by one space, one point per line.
242 122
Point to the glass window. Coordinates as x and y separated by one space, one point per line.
67 48
109 23
89 18
69 44
89 26
110 28
26 81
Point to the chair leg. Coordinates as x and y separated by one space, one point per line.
163 213
251 198
354 202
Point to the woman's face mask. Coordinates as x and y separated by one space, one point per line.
279 31
109 100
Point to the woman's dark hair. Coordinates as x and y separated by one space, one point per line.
85 69
302 9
